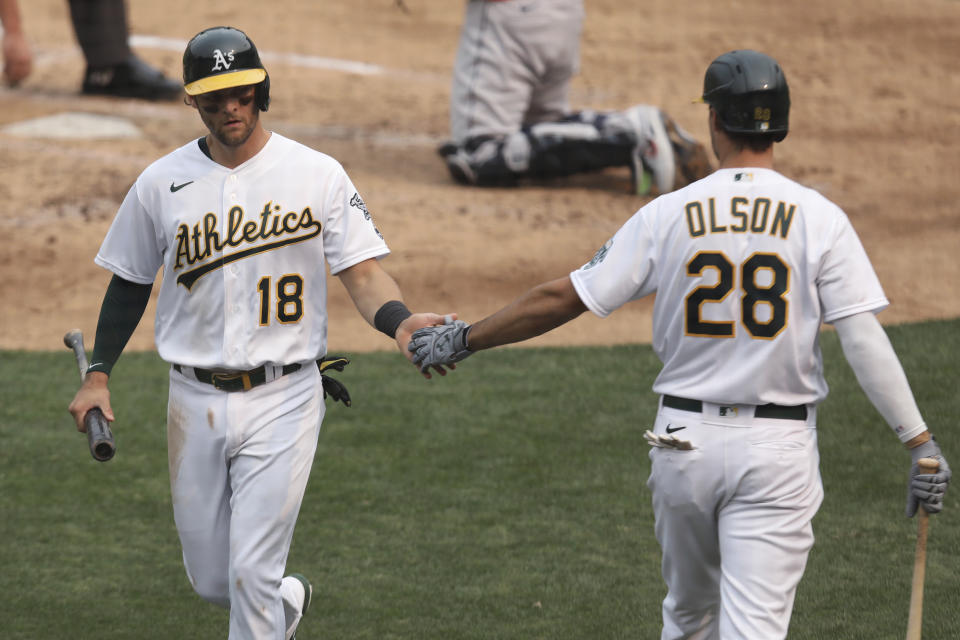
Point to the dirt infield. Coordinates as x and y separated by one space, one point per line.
875 127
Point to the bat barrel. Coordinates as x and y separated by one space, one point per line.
102 451
99 436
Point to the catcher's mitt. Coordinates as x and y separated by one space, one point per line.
693 159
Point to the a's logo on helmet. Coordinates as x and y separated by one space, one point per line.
222 62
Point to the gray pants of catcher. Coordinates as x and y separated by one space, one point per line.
510 116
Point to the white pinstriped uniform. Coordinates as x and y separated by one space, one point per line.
745 264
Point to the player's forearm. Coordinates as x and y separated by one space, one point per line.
539 310
123 306
871 356
369 287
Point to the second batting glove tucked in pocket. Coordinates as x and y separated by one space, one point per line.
331 386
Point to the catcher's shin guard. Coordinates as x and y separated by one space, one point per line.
582 143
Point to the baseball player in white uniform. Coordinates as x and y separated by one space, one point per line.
746 264
243 222
510 116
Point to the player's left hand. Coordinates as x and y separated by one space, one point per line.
927 489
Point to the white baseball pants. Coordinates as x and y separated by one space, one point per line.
733 519
239 464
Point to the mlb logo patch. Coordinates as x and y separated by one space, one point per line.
728 412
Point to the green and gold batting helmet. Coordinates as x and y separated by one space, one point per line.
749 92
221 58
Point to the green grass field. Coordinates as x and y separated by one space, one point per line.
505 501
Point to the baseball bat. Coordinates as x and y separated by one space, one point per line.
99 436
915 620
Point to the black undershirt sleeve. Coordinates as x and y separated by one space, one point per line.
123 306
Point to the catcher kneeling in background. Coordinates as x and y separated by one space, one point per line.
510 118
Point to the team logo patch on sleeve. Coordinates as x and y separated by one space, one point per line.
357 201
599 255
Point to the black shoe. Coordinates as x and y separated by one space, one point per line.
132 78
447 149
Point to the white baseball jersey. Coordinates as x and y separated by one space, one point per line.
745 264
242 250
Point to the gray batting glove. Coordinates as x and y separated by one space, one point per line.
441 345
927 488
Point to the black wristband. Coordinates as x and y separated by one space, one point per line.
389 317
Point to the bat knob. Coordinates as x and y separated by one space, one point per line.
71 337
928 465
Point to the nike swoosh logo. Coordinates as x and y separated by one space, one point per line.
672 429
176 187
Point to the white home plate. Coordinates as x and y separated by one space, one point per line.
73 125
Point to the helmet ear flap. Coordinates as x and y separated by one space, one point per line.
262 94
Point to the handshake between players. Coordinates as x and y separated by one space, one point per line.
440 345
735 324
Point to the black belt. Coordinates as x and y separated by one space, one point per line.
236 380
776 411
